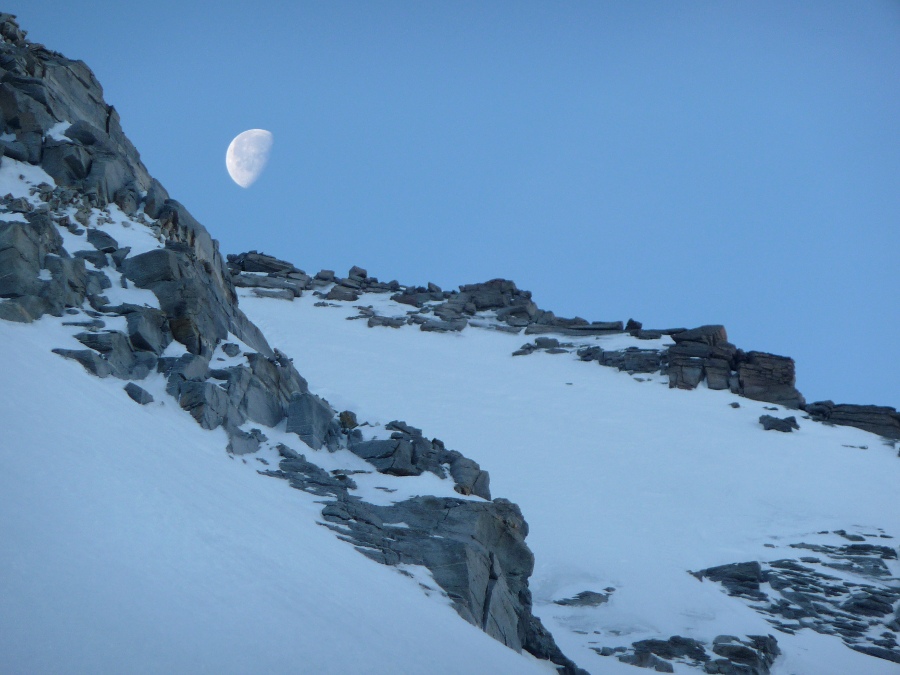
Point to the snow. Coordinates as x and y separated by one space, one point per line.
624 483
58 130
17 178
133 543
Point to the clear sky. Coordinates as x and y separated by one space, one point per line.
677 162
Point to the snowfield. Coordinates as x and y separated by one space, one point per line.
132 543
624 482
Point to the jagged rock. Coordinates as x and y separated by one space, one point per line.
274 294
710 335
645 659
741 579
768 377
187 367
91 360
880 420
23 251
443 326
387 321
231 349
253 261
312 419
102 241
753 656
96 258
193 292
117 351
631 359
786 424
392 456
348 420
325 275
138 394
584 599
476 552
206 402
241 442
155 199
343 293
304 475
148 329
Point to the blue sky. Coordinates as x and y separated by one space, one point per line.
676 162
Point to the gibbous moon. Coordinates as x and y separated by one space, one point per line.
247 156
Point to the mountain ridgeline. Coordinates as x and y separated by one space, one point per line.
57 258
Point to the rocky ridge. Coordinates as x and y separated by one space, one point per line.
695 356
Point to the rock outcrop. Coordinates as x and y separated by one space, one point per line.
803 592
880 420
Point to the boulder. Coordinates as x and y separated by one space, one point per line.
138 394
117 351
148 329
311 418
206 402
710 335
767 377
342 293
101 240
786 424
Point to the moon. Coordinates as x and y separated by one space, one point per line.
247 156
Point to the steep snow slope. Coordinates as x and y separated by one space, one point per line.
132 543
625 483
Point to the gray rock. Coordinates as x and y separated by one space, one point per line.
91 360
786 424
546 343
275 294
387 321
24 309
101 240
443 326
231 349
148 329
207 403
308 477
584 599
311 418
768 377
155 199
117 351
880 420
643 659
710 335
241 442
342 293
97 258
138 394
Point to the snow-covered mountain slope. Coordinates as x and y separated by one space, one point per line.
625 483
132 543
177 497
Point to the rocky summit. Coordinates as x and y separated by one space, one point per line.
101 267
